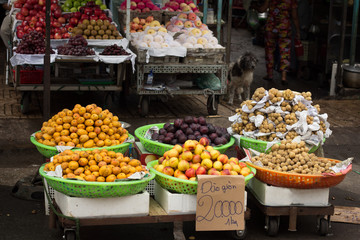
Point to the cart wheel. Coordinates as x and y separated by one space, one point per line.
273 227
70 235
144 110
323 227
212 110
25 102
240 234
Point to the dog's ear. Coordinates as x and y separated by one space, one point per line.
231 66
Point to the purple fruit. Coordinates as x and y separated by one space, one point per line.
219 132
166 125
155 136
178 133
161 138
198 137
167 140
162 131
184 126
227 136
202 121
178 122
203 129
195 120
211 128
223 141
182 138
170 135
188 120
213 136
171 128
189 131
193 126
191 137
174 141
218 141
197 133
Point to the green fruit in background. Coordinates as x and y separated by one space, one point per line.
98 2
66 9
83 3
68 4
74 9
76 4
103 7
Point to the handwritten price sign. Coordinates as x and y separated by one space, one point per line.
220 203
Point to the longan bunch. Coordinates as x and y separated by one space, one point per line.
266 105
299 107
248 103
82 127
259 94
322 126
245 118
285 106
307 95
250 127
293 157
275 117
267 138
309 120
96 165
288 95
266 127
275 95
281 127
237 127
291 135
290 119
256 113
317 106
239 111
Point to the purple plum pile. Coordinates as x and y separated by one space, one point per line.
114 50
76 46
191 128
32 43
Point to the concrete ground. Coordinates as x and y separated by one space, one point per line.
23 219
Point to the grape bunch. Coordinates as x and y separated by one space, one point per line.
114 50
32 43
76 46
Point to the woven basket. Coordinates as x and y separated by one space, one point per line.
182 186
261 146
48 151
161 148
291 180
78 188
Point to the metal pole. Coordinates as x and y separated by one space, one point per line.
218 25
128 19
46 104
354 32
228 38
205 10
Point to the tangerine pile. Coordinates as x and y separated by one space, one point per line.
96 165
82 127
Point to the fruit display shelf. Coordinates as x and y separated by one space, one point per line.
48 151
79 188
182 186
160 148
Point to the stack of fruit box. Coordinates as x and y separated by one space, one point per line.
200 56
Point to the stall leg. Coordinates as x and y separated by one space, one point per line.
25 102
292 219
178 231
144 105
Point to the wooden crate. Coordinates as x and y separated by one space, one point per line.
204 56
167 15
141 57
133 14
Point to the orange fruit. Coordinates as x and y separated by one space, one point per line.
90 178
111 178
116 170
100 179
73 165
121 176
83 161
94 168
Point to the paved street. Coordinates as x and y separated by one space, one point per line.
23 219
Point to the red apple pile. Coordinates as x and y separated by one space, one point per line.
76 46
32 43
198 158
139 24
140 6
181 6
32 15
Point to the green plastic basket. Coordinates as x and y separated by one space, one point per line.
161 148
180 185
84 189
260 145
48 151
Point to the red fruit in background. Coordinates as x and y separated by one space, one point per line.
94 17
26 28
73 21
103 16
63 29
98 12
67 16
37 7
25 23
44 9
20 34
51 36
54 1
109 18
34 19
39 24
61 20
17 4
39 29
53 7
19 16
88 11
66 35
24 11
27 18
32 24
84 16
77 15
57 13
28 6
56 24
19 28
41 2
58 30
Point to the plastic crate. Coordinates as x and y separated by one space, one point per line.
141 57
30 76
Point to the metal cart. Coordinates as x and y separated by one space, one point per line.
213 96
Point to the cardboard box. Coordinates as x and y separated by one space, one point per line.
177 203
278 196
133 205
144 155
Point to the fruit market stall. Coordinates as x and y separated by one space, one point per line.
279 132
180 45
88 52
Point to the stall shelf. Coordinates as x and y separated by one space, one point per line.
213 95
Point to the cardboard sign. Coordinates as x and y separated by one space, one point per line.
220 203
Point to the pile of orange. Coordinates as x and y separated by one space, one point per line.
96 165
82 127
